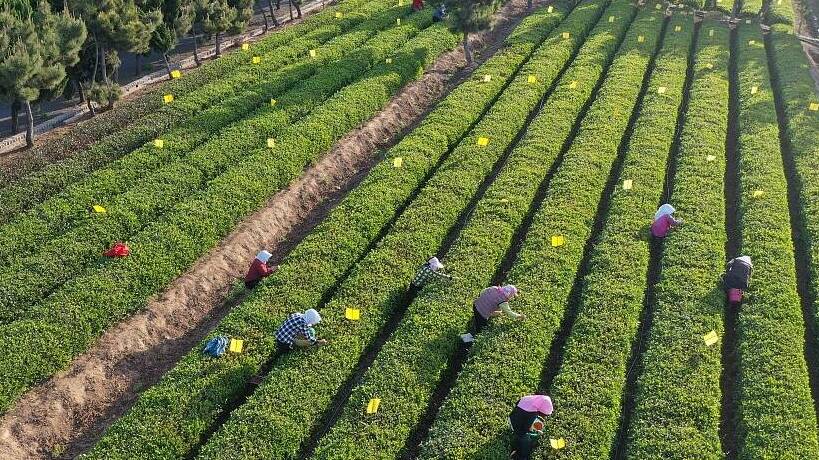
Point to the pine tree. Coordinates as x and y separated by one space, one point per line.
217 17
467 17
177 20
36 46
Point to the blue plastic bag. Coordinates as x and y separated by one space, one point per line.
216 346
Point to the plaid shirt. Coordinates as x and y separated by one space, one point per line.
293 327
424 274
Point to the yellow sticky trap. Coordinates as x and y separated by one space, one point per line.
657 6
778 2
236 345
677 28
710 338
641 39
709 66
628 184
388 60
168 98
245 46
814 107
566 35
257 59
531 79
758 193
611 18
558 443
751 42
398 21
662 90
272 102
711 32
711 158
550 9
573 84
159 143
312 53
176 74
372 406
271 142
754 89
483 141
487 78
397 162
558 240
353 314
339 15
98 209
747 21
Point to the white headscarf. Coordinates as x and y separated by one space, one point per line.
312 317
263 256
746 259
664 210
435 264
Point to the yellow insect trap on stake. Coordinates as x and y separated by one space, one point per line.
168 98
372 406
677 28
531 79
628 184
754 89
710 338
558 240
758 193
813 106
397 162
751 42
573 84
257 59
483 141
98 209
353 314
711 158
710 32
566 35
236 345
271 142
176 74
272 102
312 53
558 443
388 60
487 78
339 15
159 143
709 66
550 9
611 18
398 21
662 90
641 39
245 46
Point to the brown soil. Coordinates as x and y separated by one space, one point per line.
68 413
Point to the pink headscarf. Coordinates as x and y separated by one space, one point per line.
536 403
509 291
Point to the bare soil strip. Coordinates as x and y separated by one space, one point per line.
68 413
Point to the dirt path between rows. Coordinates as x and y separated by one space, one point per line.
67 414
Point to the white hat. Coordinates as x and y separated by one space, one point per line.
312 317
746 259
435 264
263 256
665 209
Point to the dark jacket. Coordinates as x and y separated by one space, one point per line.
737 274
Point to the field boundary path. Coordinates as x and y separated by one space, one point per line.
65 415
9 146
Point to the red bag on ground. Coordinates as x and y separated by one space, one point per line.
118 250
